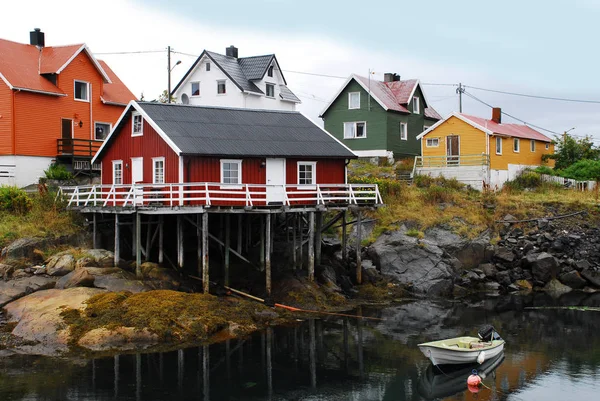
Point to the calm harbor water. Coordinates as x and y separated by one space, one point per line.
550 355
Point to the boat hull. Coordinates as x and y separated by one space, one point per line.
447 356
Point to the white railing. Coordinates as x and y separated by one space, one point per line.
217 194
451 161
570 183
85 165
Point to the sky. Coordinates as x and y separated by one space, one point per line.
543 48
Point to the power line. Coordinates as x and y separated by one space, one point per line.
132 52
185 54
534 96
315 74
434 84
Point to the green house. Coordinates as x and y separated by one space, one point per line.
380 119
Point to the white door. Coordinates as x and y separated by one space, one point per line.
275 180
137 175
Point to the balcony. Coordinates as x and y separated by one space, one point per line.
77 148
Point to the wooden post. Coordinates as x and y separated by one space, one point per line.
344 238
180 260
294 244
227 246
205 282
206 370
318 238
95 232
138 244
358 248
240 229
268 253
311 246
312 355
300 223
117 241
262 243
199 239
148 238
161 239
269 362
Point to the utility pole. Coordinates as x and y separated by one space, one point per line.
460 90
169 71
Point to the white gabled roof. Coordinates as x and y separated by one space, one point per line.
460 117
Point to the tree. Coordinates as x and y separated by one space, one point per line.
571 150
163 98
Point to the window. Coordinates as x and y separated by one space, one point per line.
101 131
498 145
403 132
416 105
117 172
532 145
516 145
207 66
158 168
270 71
355 130
547 146
433 142
137 126
221 88
354 100
307 173
270 90
195 88
231 171
82 91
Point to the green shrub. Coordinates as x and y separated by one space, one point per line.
15 200
545 170
58 172
413 232
423 181
583 170
528 179
387 186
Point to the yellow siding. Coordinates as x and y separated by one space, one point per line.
524 157
472 140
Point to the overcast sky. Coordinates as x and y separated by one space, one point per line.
545 48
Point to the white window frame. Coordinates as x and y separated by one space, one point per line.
141 131
350 101
224 81
267 90
404 135
237 185
517 142
154 169
437 145
192 89
103 123
499 148
355 130
547 146
87 91
416 105
313 184
114 171
532 145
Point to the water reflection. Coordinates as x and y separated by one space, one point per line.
338 359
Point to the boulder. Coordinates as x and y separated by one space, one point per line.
544 267
23 247
115 280
60 264
122 338
504 254
367 229
582 265
160 277
415 264
77 278
555 288
38 316
6 271
101 257
573 279
504 278
15 289
489 270
328 277
592 276
523 285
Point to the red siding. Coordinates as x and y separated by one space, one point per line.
204 169
329 171
150 145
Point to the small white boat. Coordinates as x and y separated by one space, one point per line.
462 350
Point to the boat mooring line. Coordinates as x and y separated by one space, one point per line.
577 308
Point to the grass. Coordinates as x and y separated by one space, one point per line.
44 219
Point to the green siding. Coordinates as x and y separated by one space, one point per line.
383 128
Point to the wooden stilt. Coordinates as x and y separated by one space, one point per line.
344 238
180 259
268 254
133 240
148 238
206 370
205 282
240 229
311 246
161 238
199 239
227 247
318 238
300 244
312 355
117 249
272 237
358 248
262 243
95 232
294 244
138 245
269 362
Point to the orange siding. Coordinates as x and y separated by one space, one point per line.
38 117
524 157
6 111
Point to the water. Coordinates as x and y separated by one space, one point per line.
550 355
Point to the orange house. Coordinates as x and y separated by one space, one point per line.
56 104
478 151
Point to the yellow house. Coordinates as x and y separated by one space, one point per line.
480 152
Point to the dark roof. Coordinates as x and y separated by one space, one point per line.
255 67
233 69
287 94
220 131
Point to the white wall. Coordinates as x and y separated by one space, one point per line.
28 169
234 96
474 176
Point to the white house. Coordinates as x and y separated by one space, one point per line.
226 80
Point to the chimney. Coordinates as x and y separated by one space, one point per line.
497 115
36 38
231 51
391 77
